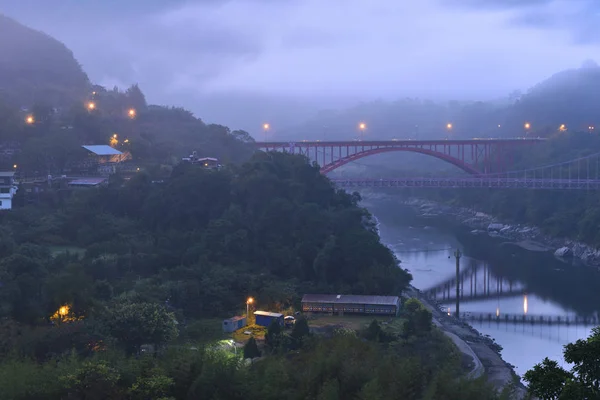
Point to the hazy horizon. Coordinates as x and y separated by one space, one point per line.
240 63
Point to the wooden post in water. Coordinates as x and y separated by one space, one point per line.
457 255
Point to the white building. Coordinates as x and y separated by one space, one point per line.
7 190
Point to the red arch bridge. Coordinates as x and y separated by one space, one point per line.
486 163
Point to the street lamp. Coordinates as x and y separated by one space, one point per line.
266 127
91 105
562 128
29 120
131 113
248 302
362 127
527 125
449 126
591 128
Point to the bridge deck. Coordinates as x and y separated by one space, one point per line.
393 142
474 182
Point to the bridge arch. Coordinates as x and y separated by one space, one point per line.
362 154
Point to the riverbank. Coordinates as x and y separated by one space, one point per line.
528 237
483 349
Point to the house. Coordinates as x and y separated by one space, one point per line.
351 304
7 189
233 324
264 318
104 159
206 162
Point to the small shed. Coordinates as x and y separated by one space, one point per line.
88 182
233 324
264 318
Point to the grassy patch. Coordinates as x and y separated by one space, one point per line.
204 331
57 250
356 322
257 331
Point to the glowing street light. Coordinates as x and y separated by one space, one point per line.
591 128
248 302
362 126
266 127
115 136
562 128
527 125
449 126
15 166
131 113
499 126
29 120
91 105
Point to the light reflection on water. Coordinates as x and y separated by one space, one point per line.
428 254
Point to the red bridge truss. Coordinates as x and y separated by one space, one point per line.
474 156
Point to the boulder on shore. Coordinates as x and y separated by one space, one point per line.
563 252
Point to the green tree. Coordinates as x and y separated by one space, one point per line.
153 387
135 324
548 380
93 381
251 349
300 329
273 335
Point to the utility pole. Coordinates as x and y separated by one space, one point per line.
457 255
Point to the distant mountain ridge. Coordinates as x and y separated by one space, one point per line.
570 97
35 67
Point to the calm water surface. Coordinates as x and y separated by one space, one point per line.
530 283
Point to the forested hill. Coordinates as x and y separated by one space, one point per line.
569 97
36 67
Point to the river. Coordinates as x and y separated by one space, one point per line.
522 282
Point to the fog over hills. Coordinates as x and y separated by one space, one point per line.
36 67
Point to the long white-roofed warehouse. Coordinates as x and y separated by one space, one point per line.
351 304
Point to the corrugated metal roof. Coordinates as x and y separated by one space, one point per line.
236 318
87 182
268 314
102 150
350 299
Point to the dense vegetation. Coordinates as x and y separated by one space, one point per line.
370 364
549 381
148 263
573 214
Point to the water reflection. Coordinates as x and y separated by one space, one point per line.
499 281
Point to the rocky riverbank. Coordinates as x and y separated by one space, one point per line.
528 237
498 372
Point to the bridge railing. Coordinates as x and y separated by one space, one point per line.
529 318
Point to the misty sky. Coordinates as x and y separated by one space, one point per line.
204 54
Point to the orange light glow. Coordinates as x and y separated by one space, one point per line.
362 126
91 105
30 120
131 113
527 125
250 300
449 126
